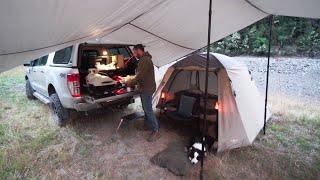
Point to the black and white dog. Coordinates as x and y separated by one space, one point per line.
195 150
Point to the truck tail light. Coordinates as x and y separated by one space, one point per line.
74 84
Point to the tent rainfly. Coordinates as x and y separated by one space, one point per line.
241 107
169 28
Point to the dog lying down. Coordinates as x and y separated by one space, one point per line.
195 151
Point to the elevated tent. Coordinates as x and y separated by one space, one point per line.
241 107
169 28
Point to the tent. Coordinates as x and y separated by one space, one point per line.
241 107
169 28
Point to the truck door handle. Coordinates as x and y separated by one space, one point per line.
42 71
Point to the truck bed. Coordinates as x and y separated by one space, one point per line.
92 100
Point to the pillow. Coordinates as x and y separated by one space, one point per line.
186 105
174 158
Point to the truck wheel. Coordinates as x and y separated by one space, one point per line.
29 90
60 114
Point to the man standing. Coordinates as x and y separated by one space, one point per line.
131 66
147 85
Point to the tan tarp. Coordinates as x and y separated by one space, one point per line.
169 28
241 107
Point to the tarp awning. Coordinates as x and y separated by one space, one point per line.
169 28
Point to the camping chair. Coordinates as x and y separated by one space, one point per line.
211 108
186 110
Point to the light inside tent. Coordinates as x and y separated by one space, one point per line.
163 95
216 106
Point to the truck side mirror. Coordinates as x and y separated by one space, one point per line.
26 64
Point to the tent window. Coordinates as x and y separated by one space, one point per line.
63 56
212 86
194 79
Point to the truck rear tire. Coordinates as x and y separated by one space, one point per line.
29 90
60 114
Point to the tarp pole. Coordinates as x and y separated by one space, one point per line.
206 84
267 81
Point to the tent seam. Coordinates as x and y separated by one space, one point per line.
176 44
256 7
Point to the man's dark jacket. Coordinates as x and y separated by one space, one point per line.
145 74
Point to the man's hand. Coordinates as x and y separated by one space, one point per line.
129 83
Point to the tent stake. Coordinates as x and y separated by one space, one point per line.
206 85
267 81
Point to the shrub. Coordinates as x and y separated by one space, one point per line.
291 37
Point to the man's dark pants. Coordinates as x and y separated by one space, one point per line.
150 117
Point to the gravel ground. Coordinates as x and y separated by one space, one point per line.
297 78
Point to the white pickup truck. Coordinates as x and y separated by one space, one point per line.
60 78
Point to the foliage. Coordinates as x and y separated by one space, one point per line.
290 37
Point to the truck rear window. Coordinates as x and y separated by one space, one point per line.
90 53
119 51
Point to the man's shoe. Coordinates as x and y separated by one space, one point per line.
154 136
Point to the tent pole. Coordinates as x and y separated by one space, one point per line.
206 84
267 80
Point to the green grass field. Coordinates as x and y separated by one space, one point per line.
32 147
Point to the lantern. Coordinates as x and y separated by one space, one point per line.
162 101
104 53
216 106
163 95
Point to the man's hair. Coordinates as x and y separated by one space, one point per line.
138 46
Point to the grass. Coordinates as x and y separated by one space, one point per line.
24 129
293 139
32 147
298 126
